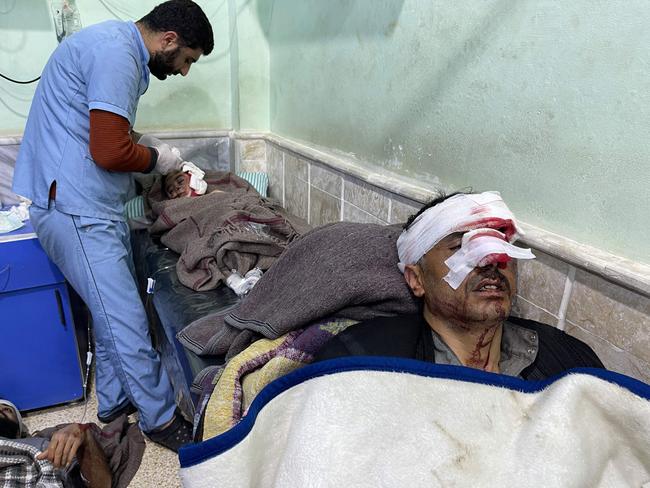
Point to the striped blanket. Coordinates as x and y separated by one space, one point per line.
368 422
20 468
227 392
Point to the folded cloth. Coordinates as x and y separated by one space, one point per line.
14 217
345 269
228 391
366 422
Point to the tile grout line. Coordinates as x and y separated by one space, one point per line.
342 198
266 158
566 296
338 197
284 203
368 213
519 297
309 193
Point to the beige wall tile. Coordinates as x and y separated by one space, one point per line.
254 149
367 198
355 214
211 153
325 179
400 211
273 153
526 310
614 358
296 196
541 281
275 170
253 166
611 312
295 166
324 208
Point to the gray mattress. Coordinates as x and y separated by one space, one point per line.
170 308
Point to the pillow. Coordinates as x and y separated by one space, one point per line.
259 180
134 208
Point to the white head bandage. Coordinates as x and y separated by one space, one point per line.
482 213
197 183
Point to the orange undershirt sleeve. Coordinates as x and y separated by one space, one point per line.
112 148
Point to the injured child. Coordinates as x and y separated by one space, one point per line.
188 182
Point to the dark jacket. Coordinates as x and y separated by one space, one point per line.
409 336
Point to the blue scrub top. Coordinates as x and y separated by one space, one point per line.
104 67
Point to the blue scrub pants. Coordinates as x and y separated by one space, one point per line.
95 257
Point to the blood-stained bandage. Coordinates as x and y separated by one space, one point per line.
198 186
481 247
489 229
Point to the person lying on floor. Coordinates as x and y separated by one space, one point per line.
73 451
456 254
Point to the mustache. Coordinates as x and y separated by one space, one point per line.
490 276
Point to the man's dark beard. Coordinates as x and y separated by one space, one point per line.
161 64
8 428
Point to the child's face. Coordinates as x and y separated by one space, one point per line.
177 185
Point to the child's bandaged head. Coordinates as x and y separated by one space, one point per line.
489 229
197 183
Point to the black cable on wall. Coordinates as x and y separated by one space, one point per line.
19 82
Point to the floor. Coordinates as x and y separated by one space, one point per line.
159 466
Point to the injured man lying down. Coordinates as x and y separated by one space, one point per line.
457 255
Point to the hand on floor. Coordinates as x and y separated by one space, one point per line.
64 445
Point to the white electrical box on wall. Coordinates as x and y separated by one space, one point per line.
65 15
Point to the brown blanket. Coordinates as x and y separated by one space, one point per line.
345 269
230 228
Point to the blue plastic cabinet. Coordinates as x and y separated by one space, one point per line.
39 357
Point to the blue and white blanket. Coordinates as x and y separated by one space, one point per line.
369 422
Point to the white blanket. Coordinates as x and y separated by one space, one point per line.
370 422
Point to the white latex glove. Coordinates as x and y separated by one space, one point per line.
168 159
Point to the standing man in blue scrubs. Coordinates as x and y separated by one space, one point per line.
76 163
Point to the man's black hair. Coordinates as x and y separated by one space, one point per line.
441 197
9 428
185 18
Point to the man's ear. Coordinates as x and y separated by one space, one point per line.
413 277
167 38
